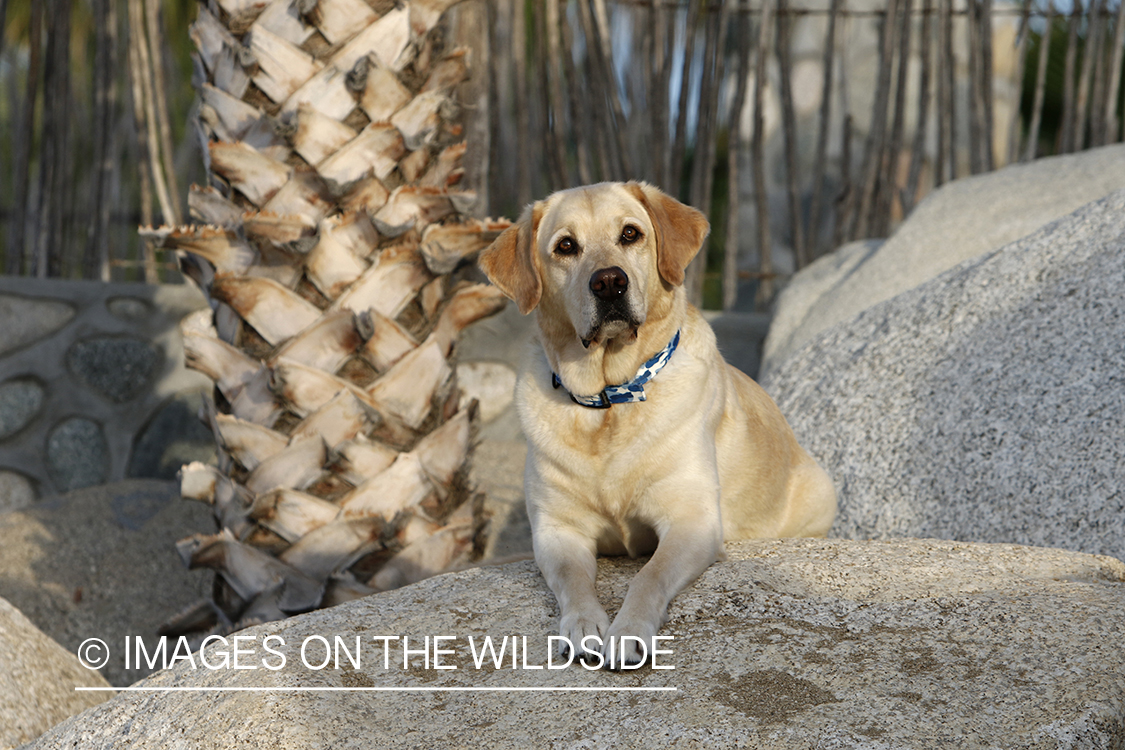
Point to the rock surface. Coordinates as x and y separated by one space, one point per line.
959 221
985 405
797 643
101 563
38 680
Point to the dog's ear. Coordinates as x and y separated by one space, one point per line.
510 261
680 230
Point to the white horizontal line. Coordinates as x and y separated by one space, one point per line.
379 689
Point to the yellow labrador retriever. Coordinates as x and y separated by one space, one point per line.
641 438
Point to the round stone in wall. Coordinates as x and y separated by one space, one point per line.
129 309
172 438
29 320
77 454
118 368
16 491
20 401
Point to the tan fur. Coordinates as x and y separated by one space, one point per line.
706 457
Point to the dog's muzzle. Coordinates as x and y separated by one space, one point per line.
613 313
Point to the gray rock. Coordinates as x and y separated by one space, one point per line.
20 401
16 491
174 437
38 680
796 643
101 563
959 221
117 368
985 405
804 291
27 320
77 454
129 309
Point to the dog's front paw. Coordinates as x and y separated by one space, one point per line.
578 627
628 642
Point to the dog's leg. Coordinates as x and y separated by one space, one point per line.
688 545
569 564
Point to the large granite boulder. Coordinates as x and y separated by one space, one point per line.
795 643
959 221
101 562
985 405
38 681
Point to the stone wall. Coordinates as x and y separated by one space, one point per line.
93 387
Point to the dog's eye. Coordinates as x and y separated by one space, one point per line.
566 246
630 234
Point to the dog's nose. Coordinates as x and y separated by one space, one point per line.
609 283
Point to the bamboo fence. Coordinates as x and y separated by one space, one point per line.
710 99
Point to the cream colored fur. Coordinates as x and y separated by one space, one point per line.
707 456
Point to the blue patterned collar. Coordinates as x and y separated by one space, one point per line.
632 391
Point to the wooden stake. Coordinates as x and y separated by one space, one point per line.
558 103
764 295
1066 144
1040 88
873 154
1111 125
789 124
17 239
96 260
846 197
676 165
144 142
599 93
951 90
1089 55
976 94
734 148
54 158
918 151
554 149
813 242
523 108
160 103
888 186
579 114
141 70
605 49
1021 60
943 95
703 163
986 87
1098 92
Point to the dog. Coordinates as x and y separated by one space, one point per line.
641 438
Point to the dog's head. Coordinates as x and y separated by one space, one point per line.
602 257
